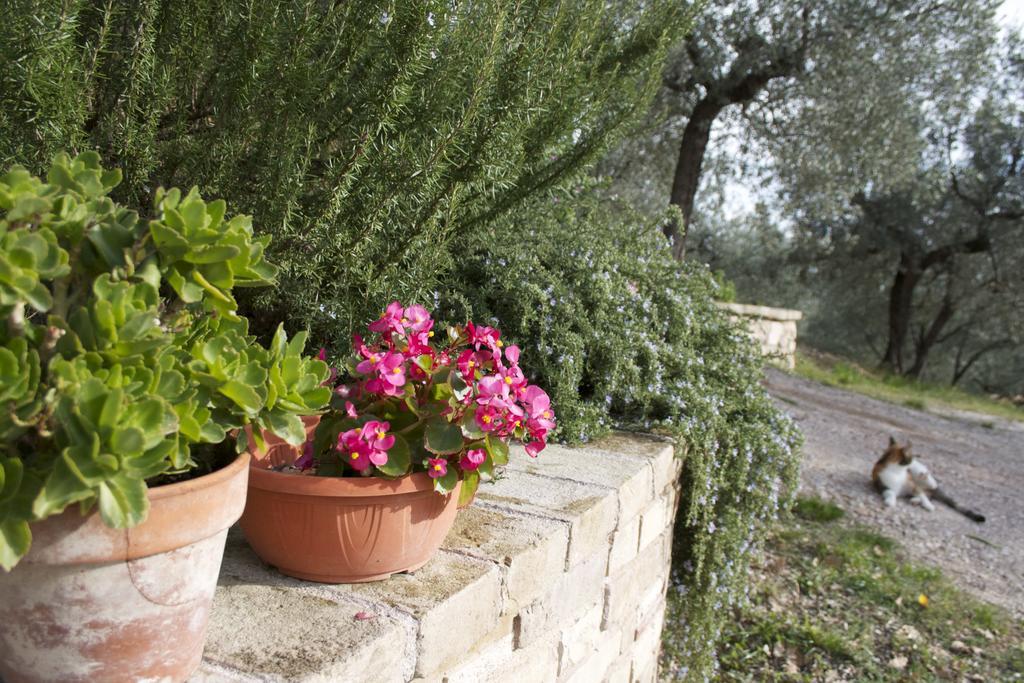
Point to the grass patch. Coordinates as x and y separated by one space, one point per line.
817 510
828 369
831 601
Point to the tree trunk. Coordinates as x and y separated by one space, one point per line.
901 297
927 340
688 169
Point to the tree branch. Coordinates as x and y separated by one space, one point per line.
959 372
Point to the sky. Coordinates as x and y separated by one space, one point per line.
741 199
1012 13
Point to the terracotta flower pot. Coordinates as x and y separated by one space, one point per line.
342 529
91 603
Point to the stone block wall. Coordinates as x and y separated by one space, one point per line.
557 572
773 328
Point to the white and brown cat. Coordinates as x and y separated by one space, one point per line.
898 474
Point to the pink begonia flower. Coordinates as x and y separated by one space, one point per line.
354 451
376 435
471 364
485 336
360 346
512 354
488 418
514 418
419 343
492 391
538 407
473 459
369 365
350 409
417 319
534 447
513 377
390 320
437 467
416 373
390 374
306 461
391 369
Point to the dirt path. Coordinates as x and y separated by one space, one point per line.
979 466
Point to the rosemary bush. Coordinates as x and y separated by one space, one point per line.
622 335
366 137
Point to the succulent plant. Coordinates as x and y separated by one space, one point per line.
122 359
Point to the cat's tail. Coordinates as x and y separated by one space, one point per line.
946 500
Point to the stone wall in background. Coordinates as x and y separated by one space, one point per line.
557 572
773 328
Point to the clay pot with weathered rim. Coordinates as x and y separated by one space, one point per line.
91 603
342 529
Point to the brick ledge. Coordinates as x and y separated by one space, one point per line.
557 572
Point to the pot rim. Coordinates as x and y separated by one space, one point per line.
338 487
215 478
180 514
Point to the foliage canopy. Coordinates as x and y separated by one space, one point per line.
368 138
397 149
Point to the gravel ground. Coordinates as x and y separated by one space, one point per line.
978 461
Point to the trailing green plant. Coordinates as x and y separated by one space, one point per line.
622 335
122 360
367 137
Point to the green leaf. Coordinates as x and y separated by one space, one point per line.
111 179
497 449
470 482
211 254
123 501
279 344
15 539
244 395
215 212
165 236
486 468
398 459
39 297
425 362
193 212
447 483
211 289
442 437
149 272
188 291
470 428
410 401
459 386
128 442
440 393
10 477
288 426
242 441
331 468
211 432
63 486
